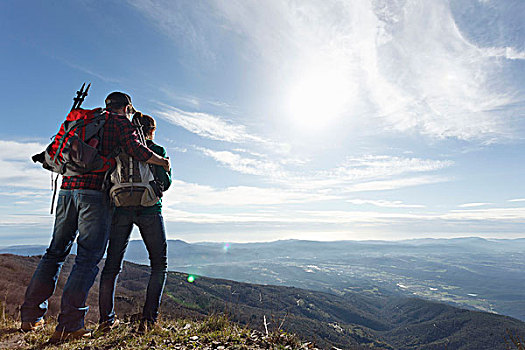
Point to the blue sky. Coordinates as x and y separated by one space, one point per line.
322 120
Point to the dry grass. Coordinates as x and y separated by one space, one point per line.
215 332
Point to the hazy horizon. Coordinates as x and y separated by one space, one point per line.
136 237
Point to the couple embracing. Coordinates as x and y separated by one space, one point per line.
84 212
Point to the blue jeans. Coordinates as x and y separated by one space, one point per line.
151 227
85 211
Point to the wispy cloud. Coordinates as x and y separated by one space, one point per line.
471 205
16 192
510 53
208 126
367 173
29 219
91 72
17 169
385 185
195 101
189 24
246 165
183 193
443 86
492 214
374 173
384 203
517 200
380 166
446 86
502 215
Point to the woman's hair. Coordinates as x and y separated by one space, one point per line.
147 122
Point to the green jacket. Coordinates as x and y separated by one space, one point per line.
160 174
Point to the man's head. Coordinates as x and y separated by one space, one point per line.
120 103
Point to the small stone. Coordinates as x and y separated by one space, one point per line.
194 338
187 326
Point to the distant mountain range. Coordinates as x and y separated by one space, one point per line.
474 273
348 320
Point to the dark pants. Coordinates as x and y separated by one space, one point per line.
85 211
151 228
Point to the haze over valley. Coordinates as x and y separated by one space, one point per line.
473 273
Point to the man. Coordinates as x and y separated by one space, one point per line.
82 207
151 226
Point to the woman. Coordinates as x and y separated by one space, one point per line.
151 226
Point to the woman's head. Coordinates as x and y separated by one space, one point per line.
148 124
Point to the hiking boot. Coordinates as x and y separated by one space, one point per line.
32 326
107 326
145 326
61 336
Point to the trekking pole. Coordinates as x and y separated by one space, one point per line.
77 102
140 130
81 95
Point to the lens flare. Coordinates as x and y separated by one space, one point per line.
191 278
226 247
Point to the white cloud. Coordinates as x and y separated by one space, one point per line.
246 165
378 166
194 101
16 192
470 205
183 193
373 172
407 62
340 217
384 203
18 170
208 126
367 173
216 128
408 59
33 219
505 52
492 214
517 200
103 77
176 215
385 185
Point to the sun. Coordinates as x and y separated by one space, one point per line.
318 99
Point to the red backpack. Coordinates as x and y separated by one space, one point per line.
75 148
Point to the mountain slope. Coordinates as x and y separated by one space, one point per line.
348 320
471 272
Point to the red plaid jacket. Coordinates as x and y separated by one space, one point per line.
118 131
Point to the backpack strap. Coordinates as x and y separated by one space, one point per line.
142 138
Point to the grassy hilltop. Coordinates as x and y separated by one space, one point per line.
215 332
